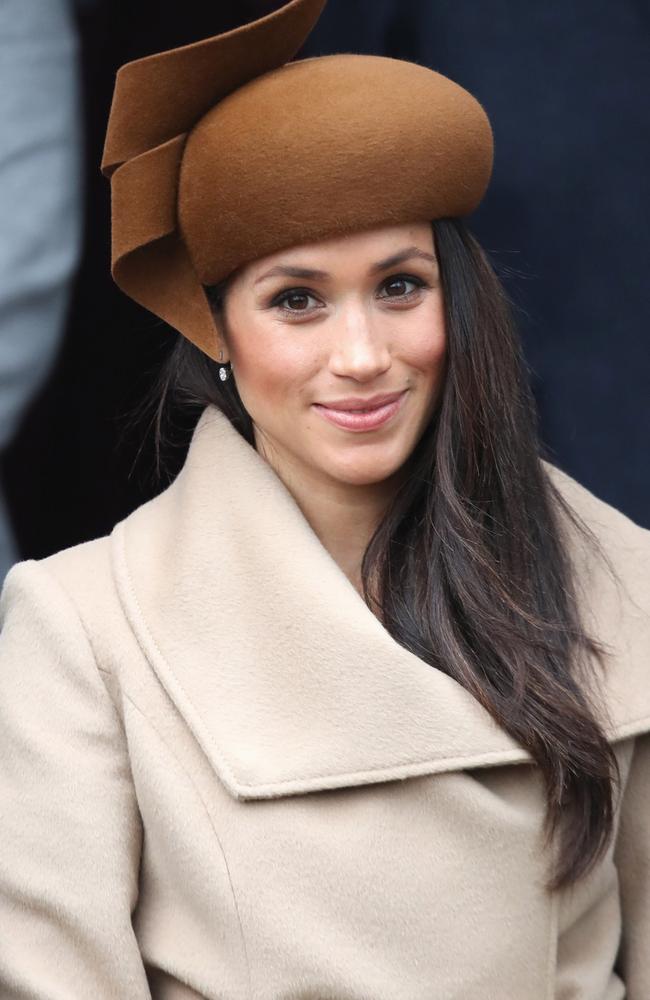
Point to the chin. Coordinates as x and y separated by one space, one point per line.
365 473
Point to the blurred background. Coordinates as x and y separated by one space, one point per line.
566 84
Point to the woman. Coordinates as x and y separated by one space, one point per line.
358 706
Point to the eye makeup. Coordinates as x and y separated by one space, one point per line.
279 300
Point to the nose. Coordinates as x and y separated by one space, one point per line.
360 350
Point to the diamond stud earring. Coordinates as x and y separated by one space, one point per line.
223 371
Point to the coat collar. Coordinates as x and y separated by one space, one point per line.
286 678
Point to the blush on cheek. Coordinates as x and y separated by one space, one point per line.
429 352
265 389
427 341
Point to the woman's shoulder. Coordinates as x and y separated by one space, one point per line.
80 567
626 543
79 578
613 572
613 589
64 611
593 508
67 598
85 570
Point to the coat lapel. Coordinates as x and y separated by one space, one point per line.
286 678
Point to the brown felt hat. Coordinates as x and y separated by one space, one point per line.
224 151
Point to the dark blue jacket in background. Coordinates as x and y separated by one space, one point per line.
566 86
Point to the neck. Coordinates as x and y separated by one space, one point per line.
342 515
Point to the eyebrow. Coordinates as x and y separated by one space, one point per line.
292 271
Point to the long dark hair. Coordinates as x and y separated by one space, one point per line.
470 567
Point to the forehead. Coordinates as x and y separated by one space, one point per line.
366 246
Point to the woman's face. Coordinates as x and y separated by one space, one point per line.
352 316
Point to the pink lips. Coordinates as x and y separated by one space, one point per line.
353 420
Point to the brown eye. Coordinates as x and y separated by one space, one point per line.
295 299
398 285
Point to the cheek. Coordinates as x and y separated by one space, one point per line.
425 343
268 367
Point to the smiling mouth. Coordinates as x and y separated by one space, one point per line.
352 405
361 419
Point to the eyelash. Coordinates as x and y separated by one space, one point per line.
279 299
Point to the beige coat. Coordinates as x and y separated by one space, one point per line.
221 777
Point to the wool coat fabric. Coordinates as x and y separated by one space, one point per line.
221 777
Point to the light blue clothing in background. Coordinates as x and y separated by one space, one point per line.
41 204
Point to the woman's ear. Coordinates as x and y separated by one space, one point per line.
222 352
221 326
219 350
215 294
